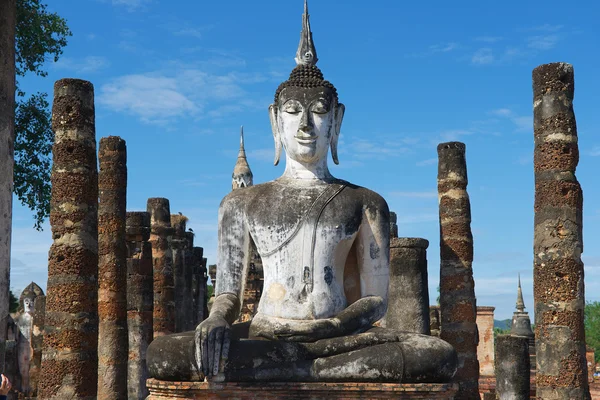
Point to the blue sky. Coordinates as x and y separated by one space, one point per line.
177 79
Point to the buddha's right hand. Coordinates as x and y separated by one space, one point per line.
212 340
213 334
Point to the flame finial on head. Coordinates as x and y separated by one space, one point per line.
306 53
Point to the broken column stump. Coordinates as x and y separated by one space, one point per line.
112 270
70 346
162 262
558 285
512 368
408 296
140 295
457 288
178 242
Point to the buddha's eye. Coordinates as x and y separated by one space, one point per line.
292 107
320 108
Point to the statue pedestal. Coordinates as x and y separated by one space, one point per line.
163 390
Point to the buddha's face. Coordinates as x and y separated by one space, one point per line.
305 120
28 305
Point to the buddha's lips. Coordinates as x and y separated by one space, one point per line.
305 139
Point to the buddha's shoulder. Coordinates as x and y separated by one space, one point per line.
367 197
242 196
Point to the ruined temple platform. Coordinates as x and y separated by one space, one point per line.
163 390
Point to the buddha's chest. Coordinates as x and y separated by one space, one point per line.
298 221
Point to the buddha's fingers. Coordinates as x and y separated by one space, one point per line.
218 349
226 343
204 350
211 350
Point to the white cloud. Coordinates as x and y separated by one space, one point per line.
29 256
131 5
595 152
488 39
193 32
417 218
88 65
547 28
429 161
152 98
483 56
542 42
522 122
453 134
266 155
420 195
181 91
444 47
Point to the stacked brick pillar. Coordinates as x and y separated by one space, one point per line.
198 289
558 285
70 360
112 270
178 243
140 295
189 316
162 262
457 288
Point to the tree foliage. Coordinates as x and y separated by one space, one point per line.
14 302
592 327
40 36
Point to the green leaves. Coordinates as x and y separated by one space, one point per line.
40 37
592 327
33 146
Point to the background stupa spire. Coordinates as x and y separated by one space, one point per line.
306 53
242 175
520 302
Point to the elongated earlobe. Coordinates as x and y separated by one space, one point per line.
337 125
275 129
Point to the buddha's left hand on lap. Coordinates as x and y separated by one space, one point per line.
357 317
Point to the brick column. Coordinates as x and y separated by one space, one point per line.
199 292
162 261
140 295
178 242
558 286
485 348
112 270
70 350
188 279
408 297
457 288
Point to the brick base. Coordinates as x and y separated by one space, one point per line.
163 390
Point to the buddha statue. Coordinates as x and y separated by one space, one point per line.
24 323
324 244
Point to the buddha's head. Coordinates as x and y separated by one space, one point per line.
28 297
28 305
306 115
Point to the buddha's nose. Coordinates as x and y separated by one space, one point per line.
306 124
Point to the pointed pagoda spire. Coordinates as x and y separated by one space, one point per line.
242 175
242 153
306 53
520 302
